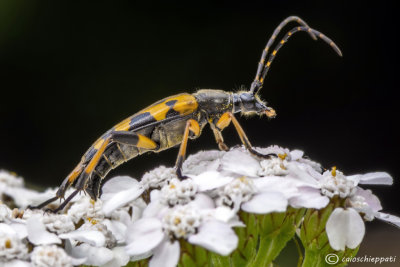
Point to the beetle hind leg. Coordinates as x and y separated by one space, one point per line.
225 120
64 203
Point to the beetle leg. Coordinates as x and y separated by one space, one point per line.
63 188
64 203
81 173
194 127
225 120
219 138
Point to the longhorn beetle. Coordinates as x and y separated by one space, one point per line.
175 119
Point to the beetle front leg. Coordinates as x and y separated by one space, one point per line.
226 119
194 127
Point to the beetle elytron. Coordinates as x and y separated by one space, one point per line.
172 121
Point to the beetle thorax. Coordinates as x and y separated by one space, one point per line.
214 102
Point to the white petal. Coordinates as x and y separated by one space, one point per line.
20 229
92 237
372 178
223 213
210 180
304 172
117 228
285 185
215 236
37 233
119 193
265 203
388 218
143 235
296 154
345 228
202 201
154 209
6 229
94 255
309 198
372 200
116 185
16 263
240 162
166 255
120 258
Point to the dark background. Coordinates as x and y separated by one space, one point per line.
70 70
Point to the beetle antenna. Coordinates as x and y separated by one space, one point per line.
259 80
272 39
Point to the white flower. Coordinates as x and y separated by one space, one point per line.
85 208
236 192
158 177
52 256
345 227
274 166
178 192
11 246
9 179
158 233
335 183
58 223
5 213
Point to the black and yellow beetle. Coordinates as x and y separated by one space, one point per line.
172 121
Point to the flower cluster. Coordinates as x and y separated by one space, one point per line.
157 217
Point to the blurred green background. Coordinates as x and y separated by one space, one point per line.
70 70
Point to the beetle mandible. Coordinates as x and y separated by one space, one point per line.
174 120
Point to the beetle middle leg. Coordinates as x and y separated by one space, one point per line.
224 122
194 127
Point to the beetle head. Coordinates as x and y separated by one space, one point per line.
250 104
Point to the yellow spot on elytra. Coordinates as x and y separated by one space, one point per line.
268 63
8 244
185 104
274 52
333 171
282 41
261 80
289 33
123 125
282 156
